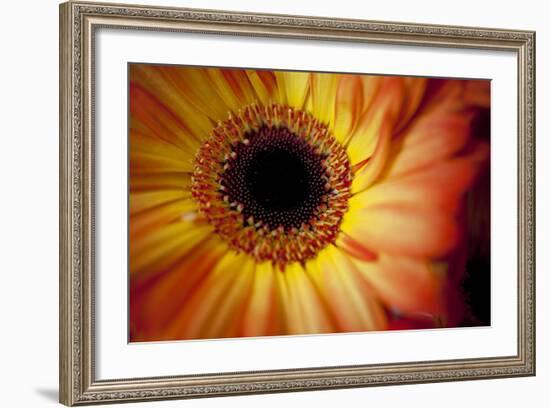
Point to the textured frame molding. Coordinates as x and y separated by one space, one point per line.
78 22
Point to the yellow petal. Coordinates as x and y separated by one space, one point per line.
403 230
151 155
323 96
353 305
197 90
160 181
381 117
369 170
294 86
162 214
262 315
353 97
145 200
264 84
226 318
304 312
233 87
164 245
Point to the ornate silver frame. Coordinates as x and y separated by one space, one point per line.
78 22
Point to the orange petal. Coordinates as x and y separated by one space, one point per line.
438 187
443 95
262 315
154 303
164 245
414 93
404 230
430 139
165 83
412 286
215 305
355 248
225 320
158 120
478 93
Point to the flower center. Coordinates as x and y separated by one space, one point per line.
277 177
274 183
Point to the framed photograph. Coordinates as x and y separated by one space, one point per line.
256 203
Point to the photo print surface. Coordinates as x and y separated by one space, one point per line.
269 203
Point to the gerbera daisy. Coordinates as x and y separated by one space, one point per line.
270 203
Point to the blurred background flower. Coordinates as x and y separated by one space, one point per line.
270 203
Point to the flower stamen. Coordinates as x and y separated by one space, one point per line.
273 182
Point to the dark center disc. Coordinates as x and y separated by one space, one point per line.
277 177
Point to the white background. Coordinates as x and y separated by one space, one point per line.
117 359
28 216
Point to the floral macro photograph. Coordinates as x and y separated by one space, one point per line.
268 203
